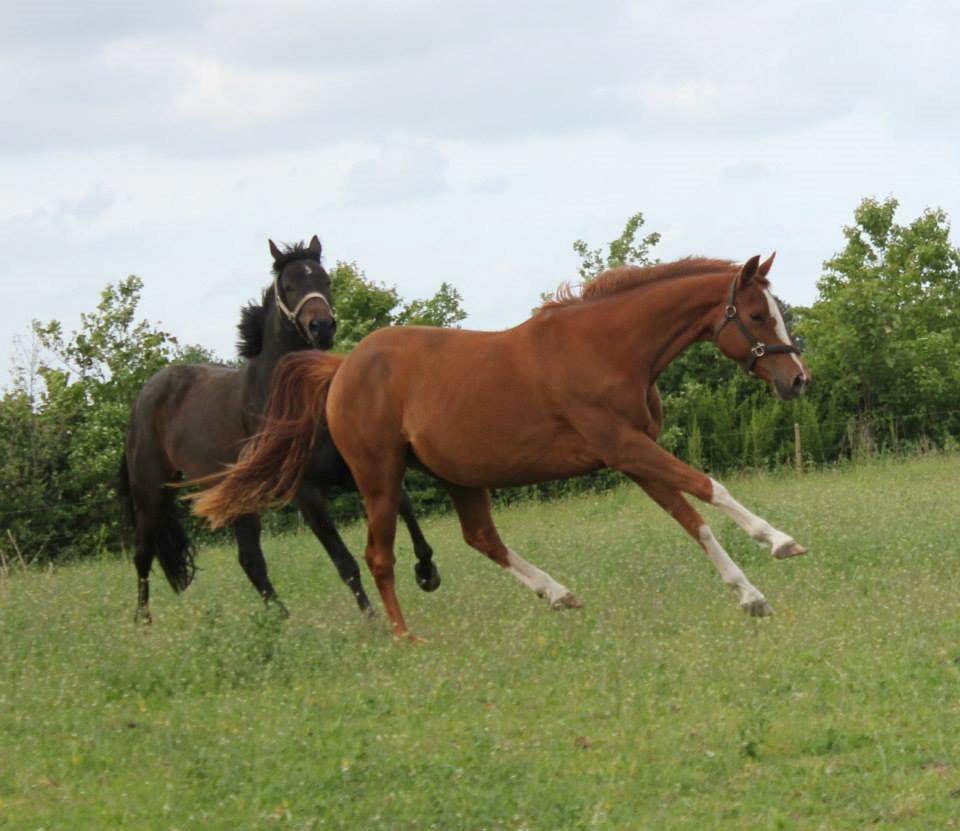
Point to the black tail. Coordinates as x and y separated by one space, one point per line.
174 548
169 540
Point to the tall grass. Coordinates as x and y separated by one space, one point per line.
657 706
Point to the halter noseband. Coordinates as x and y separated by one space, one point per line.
292 315
759 348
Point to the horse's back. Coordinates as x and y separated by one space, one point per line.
395 367
451 394
188 418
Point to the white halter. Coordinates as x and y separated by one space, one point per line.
292 315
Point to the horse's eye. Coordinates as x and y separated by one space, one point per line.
757 318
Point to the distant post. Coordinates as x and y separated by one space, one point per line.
797 451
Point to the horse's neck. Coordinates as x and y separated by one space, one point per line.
651 325
260 369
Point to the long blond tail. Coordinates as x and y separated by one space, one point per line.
272 463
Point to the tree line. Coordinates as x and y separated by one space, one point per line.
881 338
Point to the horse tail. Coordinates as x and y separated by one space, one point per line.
273 462
174 548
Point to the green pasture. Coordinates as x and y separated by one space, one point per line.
657 706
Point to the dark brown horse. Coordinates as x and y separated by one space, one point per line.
568 391
190 420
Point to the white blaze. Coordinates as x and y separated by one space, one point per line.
781 328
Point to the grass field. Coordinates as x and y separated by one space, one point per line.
657 706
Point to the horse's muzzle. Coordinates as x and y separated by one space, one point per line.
321 332
791 388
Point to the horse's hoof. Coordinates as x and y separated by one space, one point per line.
789 549
757 607
568 601
428 578
142 617
276 604
409 637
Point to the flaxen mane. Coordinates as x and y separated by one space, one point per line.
622 278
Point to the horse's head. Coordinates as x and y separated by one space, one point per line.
301 288
751 331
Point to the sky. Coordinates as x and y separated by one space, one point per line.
467 142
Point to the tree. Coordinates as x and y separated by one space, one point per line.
624 250
884 332
65 420
443 309
364 305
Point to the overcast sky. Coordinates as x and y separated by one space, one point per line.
470 142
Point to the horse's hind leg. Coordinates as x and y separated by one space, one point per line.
473 509
313 506
149 508
428 578
143 560
247 531
381 505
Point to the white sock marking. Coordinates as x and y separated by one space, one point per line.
541 582
750 597
755 526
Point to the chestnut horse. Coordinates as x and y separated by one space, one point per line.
570 390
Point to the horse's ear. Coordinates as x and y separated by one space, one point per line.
315 248
764 269
274 251
749 270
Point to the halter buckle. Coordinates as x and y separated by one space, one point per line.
758 350
730 312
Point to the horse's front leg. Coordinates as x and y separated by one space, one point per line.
428 577
638 455
782 545
672 501
664 476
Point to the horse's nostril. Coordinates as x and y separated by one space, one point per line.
799 383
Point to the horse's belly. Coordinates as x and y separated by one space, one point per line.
501 458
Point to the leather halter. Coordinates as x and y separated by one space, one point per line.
758 348
292 315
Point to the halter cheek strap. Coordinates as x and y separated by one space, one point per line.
292 316
758 348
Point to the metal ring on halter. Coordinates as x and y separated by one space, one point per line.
758 350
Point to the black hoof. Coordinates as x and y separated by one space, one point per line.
428 578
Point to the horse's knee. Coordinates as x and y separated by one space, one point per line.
380 563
